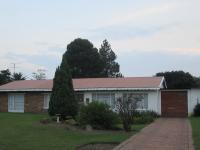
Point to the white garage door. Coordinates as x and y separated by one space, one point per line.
16 103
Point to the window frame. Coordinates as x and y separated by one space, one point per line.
48 96
145 94
111 95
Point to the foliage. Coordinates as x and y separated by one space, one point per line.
126 108
86 61
6 76
144 117
83 59
108 57
39 75
197 110
62 99
178 79
98 115
18 76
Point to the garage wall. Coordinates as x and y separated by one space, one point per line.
174 103
193 98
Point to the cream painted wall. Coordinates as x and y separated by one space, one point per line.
193 98
87 95
154 99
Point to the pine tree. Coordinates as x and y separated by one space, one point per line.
63 100
83 59
108 57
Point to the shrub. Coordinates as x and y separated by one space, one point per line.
144 117
197 110
98 115
126 108
62 99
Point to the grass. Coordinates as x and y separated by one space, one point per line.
195 122
24 132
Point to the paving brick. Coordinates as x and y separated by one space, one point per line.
163 134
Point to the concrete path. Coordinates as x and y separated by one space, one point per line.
163 134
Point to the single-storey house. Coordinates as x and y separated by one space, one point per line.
34 95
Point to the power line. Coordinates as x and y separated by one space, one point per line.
14 67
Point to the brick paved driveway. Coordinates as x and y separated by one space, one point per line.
163 134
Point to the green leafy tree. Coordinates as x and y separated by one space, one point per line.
39 75
62 99
5 76
108 57
83 59
179 79
18 76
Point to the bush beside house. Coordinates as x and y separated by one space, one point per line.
197 110
144 117
62 99
98 115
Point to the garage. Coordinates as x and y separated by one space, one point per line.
174 103
16 103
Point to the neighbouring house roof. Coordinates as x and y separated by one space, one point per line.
88 84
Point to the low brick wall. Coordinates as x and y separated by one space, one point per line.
34 102
3 102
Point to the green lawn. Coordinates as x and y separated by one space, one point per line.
195 122
24 132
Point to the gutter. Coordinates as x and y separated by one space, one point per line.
83 89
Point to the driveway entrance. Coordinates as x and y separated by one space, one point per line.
163 134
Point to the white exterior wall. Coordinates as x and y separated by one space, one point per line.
193 98
87 95
154 98
154 101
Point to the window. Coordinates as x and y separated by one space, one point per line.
142 99
106 98
16 102
87 100
80 98
46 100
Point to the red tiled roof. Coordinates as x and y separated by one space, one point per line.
87 83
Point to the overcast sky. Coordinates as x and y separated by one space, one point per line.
148 36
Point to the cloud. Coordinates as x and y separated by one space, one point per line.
139 15
181 39
155 26
142 63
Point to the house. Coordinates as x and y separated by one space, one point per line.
34 95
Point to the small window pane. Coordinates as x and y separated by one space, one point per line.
46 100
106 98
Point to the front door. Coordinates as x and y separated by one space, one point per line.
16 103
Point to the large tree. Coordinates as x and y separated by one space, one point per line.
18 76
5 76
83 59
39 75
108 57
62 99
179 79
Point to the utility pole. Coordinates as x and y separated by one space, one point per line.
14 67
